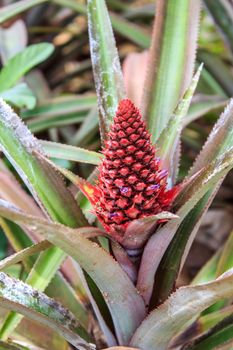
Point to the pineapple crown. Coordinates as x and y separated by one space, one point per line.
131 184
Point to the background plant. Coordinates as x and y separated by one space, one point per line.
105 310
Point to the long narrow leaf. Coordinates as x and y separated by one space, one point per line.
105 62
219 334
17 257
169 74
48 189
164 323
76 154
219 141
120 295
158 243
169 140
20 297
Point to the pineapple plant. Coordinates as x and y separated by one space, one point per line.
127 233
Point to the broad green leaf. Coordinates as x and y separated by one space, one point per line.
169 319
109 337
61 290
22 62
12 10
169 140
76 154
120 295
20 96
23 254
220 334
171 60
105 61
18 296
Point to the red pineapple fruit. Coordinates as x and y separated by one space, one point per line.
131 184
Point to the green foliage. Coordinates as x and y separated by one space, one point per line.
114 296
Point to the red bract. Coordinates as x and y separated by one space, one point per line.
131 184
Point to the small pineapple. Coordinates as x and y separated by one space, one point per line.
131 184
